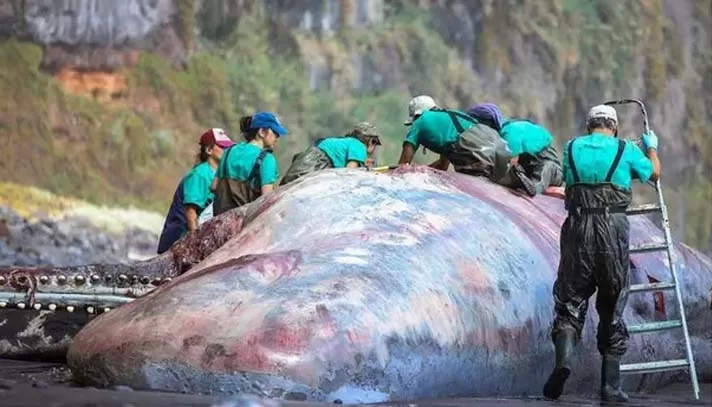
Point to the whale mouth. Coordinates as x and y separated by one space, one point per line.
94 302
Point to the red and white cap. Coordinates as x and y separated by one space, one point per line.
216 136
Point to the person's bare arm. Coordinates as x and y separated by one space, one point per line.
407 154
191 214
653 156
441 163
266 189
352 164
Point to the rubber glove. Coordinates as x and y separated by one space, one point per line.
650 140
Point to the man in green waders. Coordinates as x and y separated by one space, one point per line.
535 163
349 151
471 147
598 170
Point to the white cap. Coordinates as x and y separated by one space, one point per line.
604 111
417 106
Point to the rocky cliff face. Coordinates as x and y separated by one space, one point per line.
95 35
548 61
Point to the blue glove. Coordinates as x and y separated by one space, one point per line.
650 140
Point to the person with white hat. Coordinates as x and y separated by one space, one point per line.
472 148
598 170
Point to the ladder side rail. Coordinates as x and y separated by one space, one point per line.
678 291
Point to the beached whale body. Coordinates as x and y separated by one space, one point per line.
366 287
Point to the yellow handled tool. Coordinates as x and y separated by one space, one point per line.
383 168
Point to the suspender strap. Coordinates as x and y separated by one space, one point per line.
574 172
616 161
455 115
223 168
256 167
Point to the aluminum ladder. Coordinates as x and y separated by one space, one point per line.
660 365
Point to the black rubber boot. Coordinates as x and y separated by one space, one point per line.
520 175
564 344
611 380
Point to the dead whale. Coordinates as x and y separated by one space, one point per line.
362 287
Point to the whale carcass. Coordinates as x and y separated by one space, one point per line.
362 287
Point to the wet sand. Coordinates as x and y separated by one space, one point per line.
48 384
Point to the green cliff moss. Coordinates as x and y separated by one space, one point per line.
186 24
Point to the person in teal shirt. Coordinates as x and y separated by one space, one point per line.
458 138
249 169
349 151
193 193
535 162
598 170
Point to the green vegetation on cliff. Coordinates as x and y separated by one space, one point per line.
549 60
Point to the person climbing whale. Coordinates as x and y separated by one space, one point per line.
349 151
461 140
535 163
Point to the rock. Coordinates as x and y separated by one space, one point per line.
246 401
5 234
40 384
6 384
69 241
121 388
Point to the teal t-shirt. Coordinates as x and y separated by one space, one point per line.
341 150
237 163
525 137
196 186
435 130
593 156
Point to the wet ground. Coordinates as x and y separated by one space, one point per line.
46 384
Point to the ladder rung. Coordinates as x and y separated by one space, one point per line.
639 288
644 208
648 247
657 366
655 326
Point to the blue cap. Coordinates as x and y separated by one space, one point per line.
267 120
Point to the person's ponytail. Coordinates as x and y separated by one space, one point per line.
247 133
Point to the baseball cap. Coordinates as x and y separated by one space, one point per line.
417 106
268 120
604 111
216 136
367 129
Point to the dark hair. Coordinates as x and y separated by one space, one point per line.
489 122
202 155
247 133
601 122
